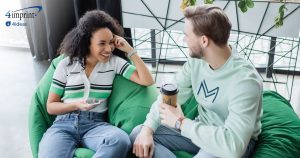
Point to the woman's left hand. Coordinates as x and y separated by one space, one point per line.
122 44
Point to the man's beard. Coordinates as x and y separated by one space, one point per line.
198 53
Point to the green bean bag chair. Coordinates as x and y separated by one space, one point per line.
129 103
280 136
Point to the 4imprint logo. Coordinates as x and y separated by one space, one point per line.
16 16
8 23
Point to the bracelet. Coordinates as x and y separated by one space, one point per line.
131 53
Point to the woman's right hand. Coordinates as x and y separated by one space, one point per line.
84 106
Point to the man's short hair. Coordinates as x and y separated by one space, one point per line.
211 21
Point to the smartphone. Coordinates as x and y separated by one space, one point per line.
93 102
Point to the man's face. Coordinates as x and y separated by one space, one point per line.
193 41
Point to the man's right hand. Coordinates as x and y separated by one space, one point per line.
143 146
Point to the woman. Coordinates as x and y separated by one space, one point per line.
82 83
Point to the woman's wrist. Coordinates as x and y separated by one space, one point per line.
75 106
131 53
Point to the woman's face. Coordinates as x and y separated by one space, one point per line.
102 45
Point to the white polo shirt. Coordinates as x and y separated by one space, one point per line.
71 83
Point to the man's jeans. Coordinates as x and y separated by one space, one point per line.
168 139
87 129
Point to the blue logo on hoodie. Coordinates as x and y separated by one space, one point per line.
208 93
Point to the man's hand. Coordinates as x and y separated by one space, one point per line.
170 114
144 144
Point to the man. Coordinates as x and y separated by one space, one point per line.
227 88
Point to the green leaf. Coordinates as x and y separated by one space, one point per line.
208 1
242 4
244 10
280 23
183 4
281 14
192 2
281 8
186 3
250 3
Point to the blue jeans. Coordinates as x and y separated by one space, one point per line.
168 139
86 129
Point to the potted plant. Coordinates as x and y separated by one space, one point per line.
244 5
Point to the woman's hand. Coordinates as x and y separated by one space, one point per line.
84 106
142 75
122 44
56 107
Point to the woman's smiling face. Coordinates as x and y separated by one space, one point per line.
102 44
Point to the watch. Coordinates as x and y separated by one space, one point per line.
179 122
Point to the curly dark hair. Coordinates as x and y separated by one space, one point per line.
76 43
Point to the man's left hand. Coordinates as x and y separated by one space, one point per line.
170 114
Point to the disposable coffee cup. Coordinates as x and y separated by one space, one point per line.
169 94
